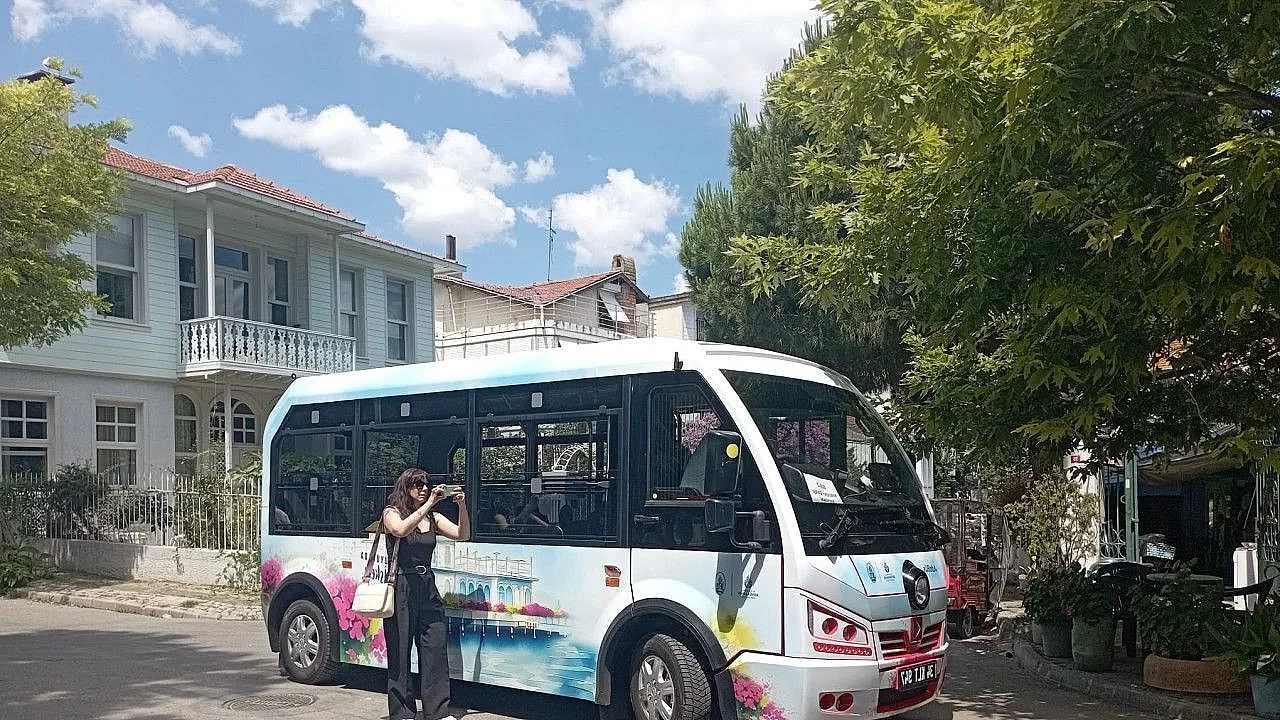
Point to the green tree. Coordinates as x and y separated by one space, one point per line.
1075 201
762 199
53 187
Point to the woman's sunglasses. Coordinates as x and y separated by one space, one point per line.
418 484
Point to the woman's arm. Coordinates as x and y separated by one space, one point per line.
462 530
400 526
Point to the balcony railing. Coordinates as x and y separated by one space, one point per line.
222 343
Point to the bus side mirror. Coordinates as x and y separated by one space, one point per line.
720 515
723 462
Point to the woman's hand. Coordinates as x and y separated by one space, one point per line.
460 497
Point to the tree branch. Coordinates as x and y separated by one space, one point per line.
1243 96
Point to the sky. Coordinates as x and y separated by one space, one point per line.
427 117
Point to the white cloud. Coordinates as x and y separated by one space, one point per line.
152 25
539 168
534 215
198 145
680 283
443 184
294 12
470 40
623 215
707 50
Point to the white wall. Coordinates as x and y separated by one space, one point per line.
73 396
127 561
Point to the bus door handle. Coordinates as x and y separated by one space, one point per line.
646 520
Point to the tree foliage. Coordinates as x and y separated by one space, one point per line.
1075 199
762 199
53 187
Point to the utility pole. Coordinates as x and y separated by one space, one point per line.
1131 507
551 238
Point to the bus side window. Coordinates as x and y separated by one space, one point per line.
312 485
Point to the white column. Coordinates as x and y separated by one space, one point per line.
337 285
209 295
226 427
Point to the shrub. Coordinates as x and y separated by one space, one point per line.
1183 620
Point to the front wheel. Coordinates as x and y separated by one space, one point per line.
963 623
668 682
305 637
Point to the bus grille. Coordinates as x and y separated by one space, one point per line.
896 644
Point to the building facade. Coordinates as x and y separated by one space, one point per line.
223 287
676 316
476 319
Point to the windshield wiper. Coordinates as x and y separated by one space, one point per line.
940 533
843 525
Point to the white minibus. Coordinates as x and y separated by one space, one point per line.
673 530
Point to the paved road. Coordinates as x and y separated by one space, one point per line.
59 663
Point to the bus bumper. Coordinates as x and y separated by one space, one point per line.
819 689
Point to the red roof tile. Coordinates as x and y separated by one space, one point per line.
543 293
229 174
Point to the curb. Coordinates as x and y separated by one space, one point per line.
73 600
1096 686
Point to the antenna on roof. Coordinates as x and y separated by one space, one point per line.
551 238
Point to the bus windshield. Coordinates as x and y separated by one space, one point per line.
851 485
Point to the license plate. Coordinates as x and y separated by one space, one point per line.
916 675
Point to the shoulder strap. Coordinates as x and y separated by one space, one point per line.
373 553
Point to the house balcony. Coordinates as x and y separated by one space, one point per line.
223 344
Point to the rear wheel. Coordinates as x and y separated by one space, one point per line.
668 682
963 623
305 644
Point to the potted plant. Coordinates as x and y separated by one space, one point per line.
1046 602
1252 645
1092 610
1181 625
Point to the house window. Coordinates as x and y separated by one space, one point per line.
244 426
349 307
24 436
278 291
398 297
184 436
231 282
610 311
117 442
187 295
117 262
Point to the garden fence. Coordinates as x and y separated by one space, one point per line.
155 508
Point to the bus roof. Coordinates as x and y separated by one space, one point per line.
603 359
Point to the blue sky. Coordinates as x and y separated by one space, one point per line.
422 117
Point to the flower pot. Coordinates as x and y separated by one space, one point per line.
1206 677
1037 637
1093 645
1266 696
1057 639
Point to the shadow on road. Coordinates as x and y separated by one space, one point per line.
473 698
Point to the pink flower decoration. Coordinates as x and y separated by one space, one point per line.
378 646
773 712
351 654
342 588
272 573
747 691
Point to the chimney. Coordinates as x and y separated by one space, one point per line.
450 248
626 264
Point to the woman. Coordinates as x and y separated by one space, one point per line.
411 518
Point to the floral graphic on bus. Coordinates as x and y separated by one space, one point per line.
272 573
753 699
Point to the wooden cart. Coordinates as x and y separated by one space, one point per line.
978 559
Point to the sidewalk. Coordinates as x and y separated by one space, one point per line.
1124 685
156 598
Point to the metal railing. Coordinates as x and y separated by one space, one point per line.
158 508
216 343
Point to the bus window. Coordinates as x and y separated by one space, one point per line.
672 499
389 451
553 478
312 484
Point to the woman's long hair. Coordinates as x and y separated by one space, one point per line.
400 498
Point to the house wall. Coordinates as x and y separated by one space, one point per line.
72 398
146 348
678 320
459 307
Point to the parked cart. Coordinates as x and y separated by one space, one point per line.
978 559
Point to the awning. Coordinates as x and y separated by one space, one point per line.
615 310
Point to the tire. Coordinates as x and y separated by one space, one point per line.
962 623
668 682
306 639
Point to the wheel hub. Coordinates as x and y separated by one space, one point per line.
657 693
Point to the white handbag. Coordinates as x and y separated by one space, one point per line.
372 598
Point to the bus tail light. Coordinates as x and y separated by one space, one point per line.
836 634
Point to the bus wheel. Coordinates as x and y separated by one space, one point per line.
668 682
305 637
